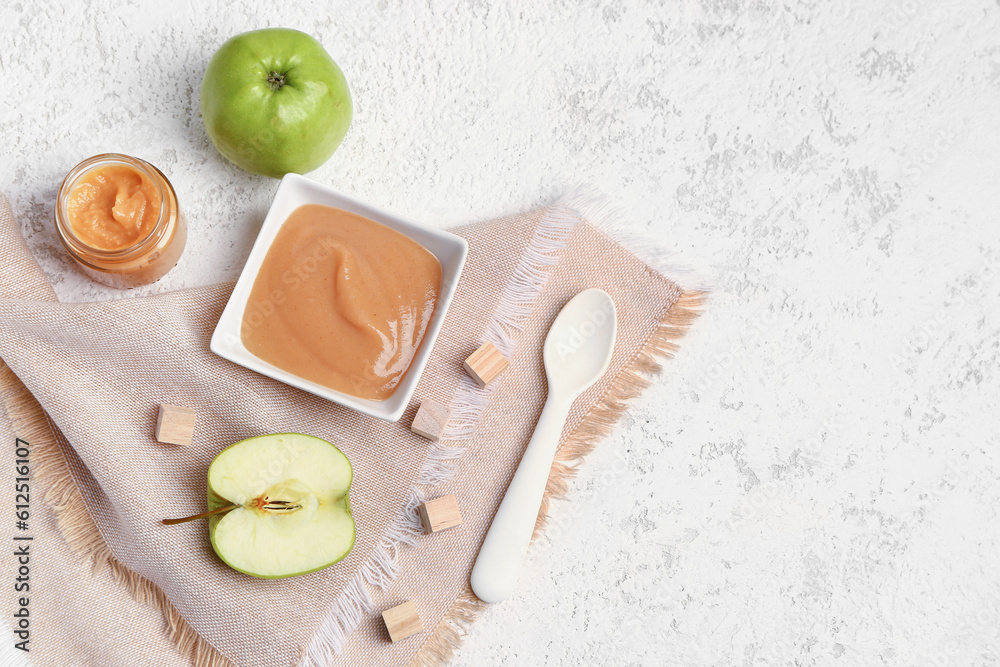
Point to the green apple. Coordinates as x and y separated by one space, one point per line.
274 101
278 505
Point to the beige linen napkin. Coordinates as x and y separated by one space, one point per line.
99 370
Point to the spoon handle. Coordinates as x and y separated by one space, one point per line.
507 541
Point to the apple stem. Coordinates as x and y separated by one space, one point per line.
217 510
275 81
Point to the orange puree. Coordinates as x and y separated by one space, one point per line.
112 207
342 301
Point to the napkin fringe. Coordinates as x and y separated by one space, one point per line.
608 217
48 463
630 383
637 375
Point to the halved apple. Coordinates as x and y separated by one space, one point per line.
279 505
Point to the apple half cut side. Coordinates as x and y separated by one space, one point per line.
279 505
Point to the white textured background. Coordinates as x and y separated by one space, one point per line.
814 480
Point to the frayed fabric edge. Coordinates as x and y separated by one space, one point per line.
609 218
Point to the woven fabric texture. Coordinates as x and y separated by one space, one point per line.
99 371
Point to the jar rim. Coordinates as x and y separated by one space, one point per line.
65 230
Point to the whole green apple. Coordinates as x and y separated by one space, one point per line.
273 102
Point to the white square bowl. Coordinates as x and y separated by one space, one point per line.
295 191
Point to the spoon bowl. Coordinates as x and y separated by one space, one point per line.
579 343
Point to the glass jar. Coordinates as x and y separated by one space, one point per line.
144 260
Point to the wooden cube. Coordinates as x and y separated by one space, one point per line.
175 425
440 513
402 621
430 420
485 363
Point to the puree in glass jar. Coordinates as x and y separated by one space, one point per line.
342 301
112 207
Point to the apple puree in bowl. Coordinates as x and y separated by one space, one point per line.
342 301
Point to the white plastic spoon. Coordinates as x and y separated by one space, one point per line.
577 351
